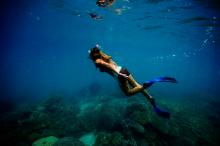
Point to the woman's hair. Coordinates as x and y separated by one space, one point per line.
96 53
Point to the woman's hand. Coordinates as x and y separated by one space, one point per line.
124 75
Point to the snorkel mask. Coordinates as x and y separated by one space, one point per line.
94 53
96 49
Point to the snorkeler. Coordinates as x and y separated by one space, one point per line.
127 83
95 16
104 3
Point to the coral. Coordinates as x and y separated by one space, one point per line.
113 139
47 141
140 117
52 104
115 121
103 139
117 139
108 117
99 117
136 116
138 112
131 127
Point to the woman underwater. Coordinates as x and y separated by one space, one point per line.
127 83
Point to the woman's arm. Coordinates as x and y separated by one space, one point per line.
108 65
102 62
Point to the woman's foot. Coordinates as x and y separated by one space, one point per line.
152 101
147 84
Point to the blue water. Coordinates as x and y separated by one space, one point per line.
44 52
45 45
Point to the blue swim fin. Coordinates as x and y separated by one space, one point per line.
161 113
148 83
158 111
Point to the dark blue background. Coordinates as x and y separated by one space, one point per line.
44 46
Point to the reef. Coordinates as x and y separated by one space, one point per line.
112 122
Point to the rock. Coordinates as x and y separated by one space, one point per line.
88 139
47 141
117 139
68 141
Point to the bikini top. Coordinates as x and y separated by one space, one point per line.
108 70
104 69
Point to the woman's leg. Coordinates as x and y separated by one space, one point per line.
138 88
135 86
126 83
